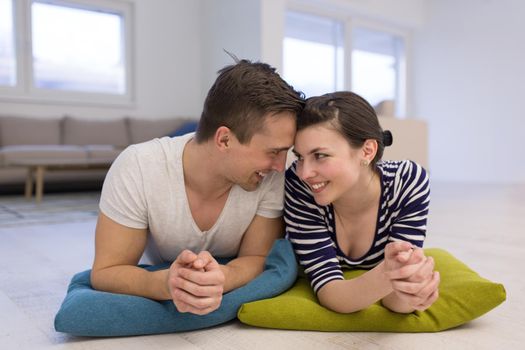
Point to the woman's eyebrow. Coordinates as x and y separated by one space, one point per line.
315 150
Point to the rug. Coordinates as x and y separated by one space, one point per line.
54 208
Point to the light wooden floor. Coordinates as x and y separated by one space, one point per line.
481 225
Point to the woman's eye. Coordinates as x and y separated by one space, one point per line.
319 155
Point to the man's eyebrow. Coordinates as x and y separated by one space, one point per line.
280 149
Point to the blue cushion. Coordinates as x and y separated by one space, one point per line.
185 128
89 312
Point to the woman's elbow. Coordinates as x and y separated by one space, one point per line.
396 307
337 306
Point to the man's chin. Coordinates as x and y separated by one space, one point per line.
250 187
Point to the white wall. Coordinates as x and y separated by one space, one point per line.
167 65
468 82
251 29
168 57
232 25
272 32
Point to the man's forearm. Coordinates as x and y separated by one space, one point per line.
242 270
132 280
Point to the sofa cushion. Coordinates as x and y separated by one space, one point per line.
185 128
11 154
103 153
29 131
142 130
95 132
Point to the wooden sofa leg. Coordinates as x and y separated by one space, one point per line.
29 183
39 183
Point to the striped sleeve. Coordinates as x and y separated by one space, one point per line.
308 232
411 199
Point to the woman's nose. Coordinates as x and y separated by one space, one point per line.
305 170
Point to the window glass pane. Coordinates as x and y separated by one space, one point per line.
7 44
313 53
77 49
377 73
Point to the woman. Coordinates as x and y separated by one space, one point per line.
345 208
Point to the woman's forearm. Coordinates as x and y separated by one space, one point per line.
346 296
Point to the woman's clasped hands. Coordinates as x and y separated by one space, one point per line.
413 278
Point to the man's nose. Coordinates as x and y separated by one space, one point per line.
279 163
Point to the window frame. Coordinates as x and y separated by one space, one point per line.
25 92
402 78
338 81
351 21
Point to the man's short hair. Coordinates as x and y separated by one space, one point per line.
240 98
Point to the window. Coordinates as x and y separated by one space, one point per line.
313 53
378 67
7 44
79 50
323 54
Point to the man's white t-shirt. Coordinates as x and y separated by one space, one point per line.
144 188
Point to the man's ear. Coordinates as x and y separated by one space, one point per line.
369 150
223 137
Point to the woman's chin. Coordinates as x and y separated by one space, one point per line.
322 200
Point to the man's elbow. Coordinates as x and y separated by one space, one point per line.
255 263
96 278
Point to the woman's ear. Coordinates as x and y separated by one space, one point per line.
369 150
222 138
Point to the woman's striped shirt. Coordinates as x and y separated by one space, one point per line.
402 215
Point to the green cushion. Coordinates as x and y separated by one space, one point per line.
463 296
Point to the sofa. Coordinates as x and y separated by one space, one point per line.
74 141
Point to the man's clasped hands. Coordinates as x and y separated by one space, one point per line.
196 282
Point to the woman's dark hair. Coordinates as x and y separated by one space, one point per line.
243 94
351 115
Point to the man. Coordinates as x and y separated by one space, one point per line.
215 193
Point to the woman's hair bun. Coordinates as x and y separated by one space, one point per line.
387 138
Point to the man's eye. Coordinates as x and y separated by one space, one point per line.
299 158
